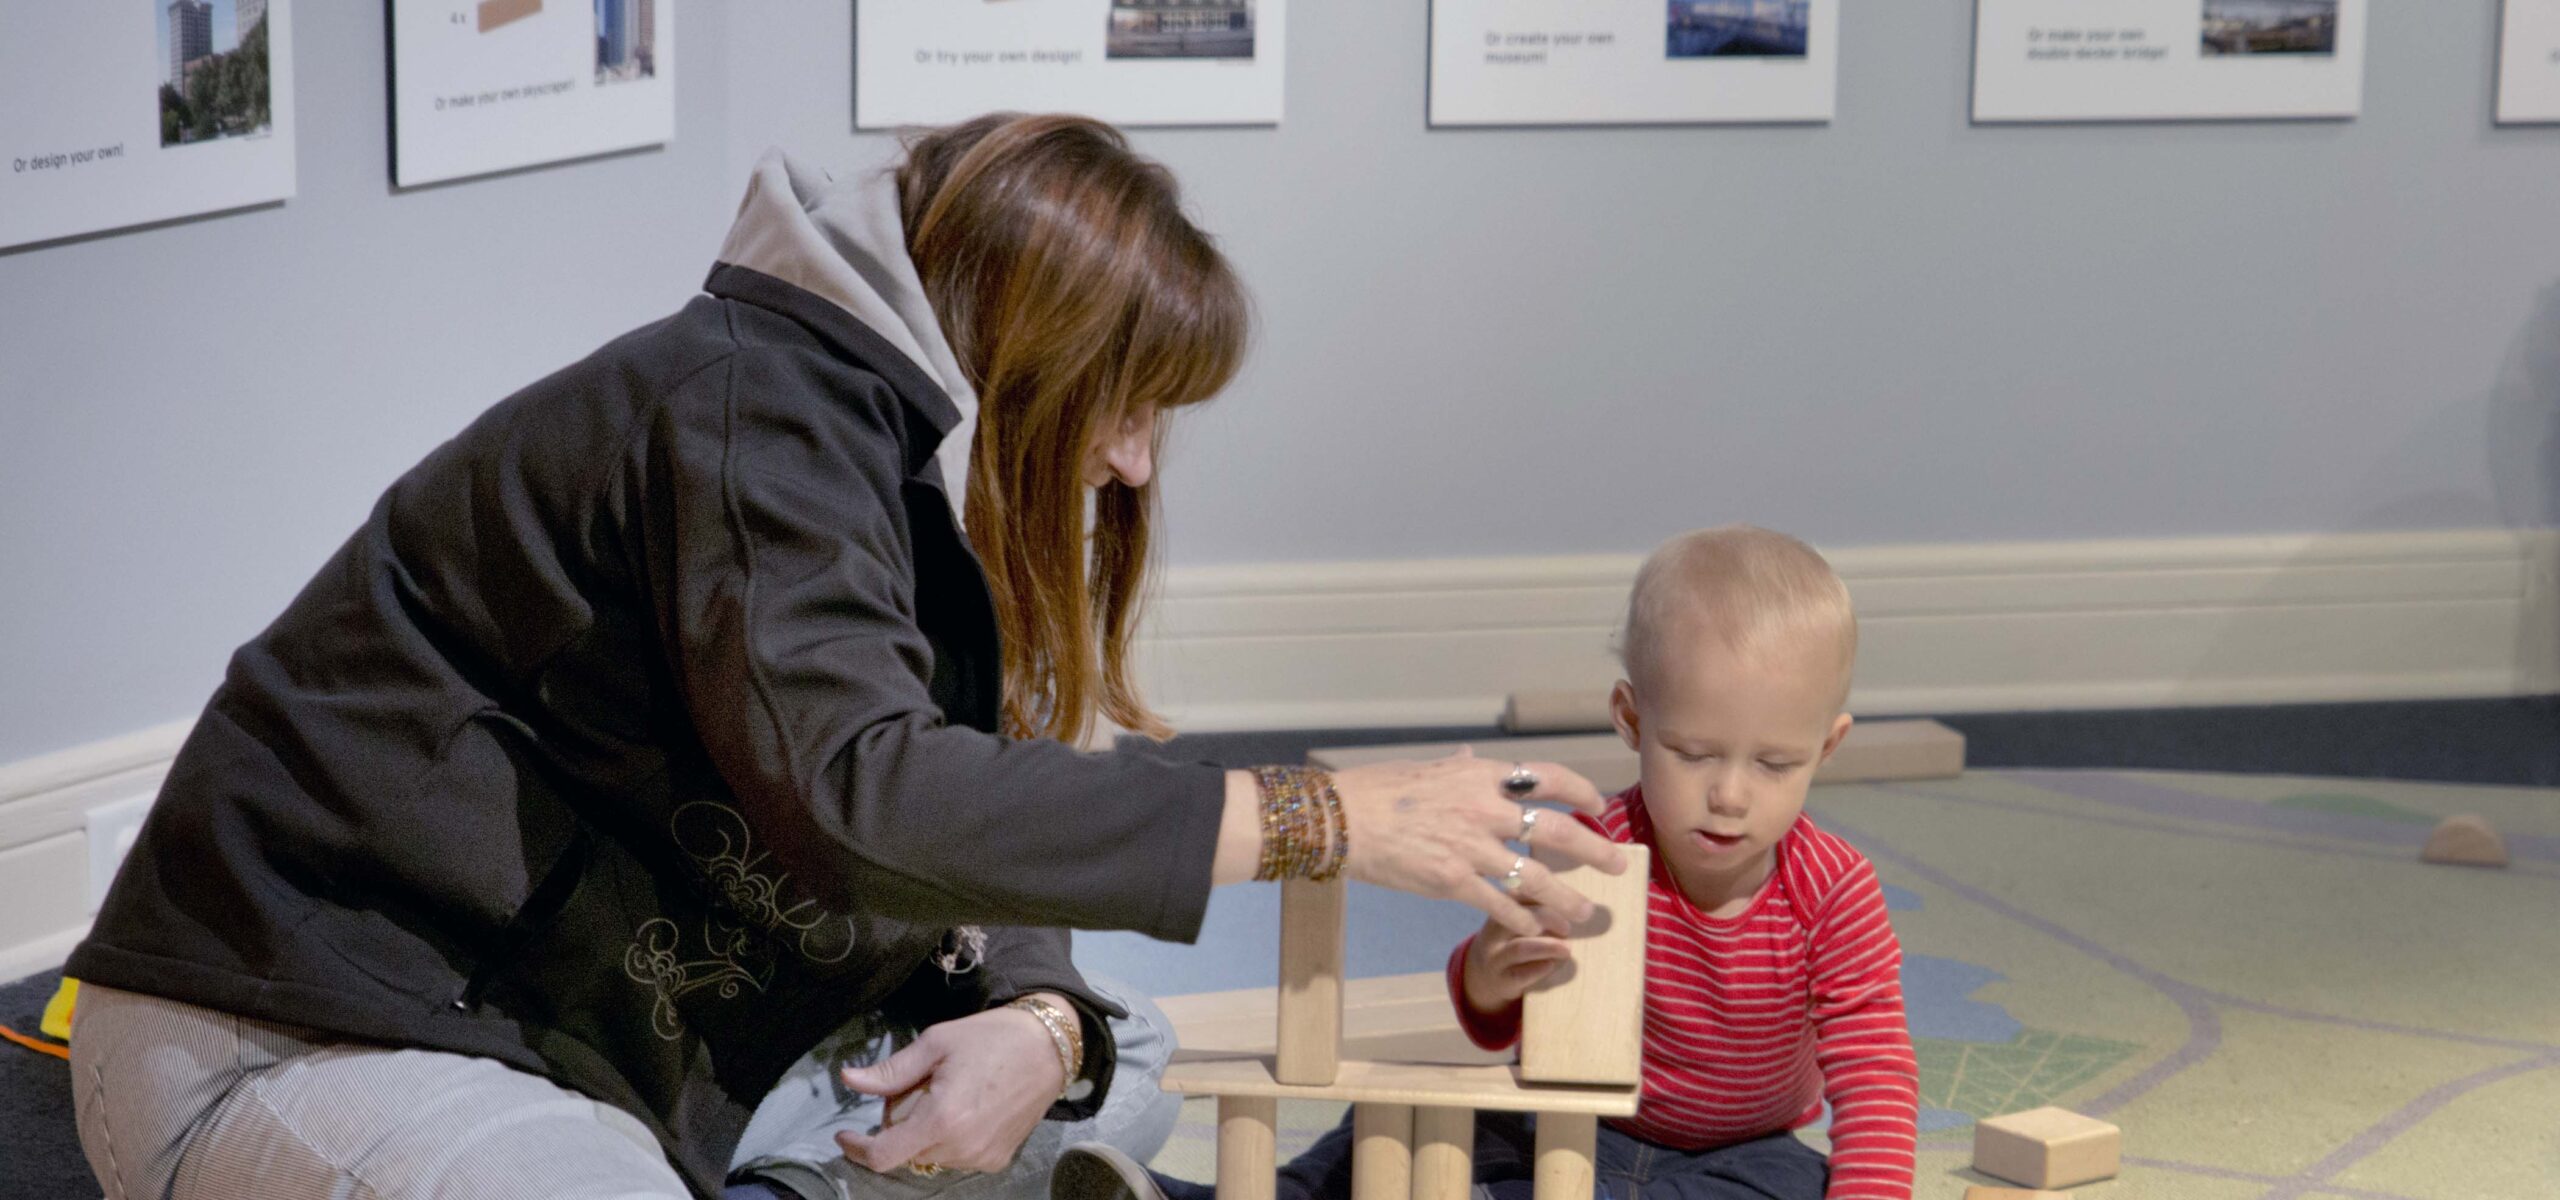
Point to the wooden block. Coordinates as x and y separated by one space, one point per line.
1999 1193
1423 1085
1585 1024
1381 1152
2046 1148
2466 841
1873 751
1566 1144
1248 1147
1444 1149
1311 933
494 13
1884 750
1556 712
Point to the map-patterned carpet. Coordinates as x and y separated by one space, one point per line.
2253 975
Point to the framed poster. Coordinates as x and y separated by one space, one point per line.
491 85
2137 60
1129 62
125 112
1621 62
2529 63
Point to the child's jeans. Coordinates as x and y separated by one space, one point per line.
1776 1167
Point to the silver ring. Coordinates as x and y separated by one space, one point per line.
1528 824
1520 782
1511 878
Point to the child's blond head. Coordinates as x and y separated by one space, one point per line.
1748 588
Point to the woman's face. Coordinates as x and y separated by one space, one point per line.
1123 449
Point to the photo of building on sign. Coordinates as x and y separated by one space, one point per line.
213 70
1737 28
1181 29
626 40
2270 27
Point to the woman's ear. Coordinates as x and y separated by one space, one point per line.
1622 713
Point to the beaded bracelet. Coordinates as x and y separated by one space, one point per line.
1304 833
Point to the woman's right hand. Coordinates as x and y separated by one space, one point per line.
1438 828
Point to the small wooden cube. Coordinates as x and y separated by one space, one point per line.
1993 1193
2047 1148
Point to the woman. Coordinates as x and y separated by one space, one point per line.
663 724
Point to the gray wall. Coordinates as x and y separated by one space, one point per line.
1894 328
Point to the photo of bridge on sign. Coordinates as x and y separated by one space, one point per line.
1413 1123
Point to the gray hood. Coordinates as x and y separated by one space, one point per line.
842 240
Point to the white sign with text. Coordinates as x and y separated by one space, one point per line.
492 85
2135 60
2529 63
1627 62
127 112
1129 62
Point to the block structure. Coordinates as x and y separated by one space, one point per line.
2001 1193
2047 1148
1413 1124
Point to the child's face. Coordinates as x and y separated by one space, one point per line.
1729 742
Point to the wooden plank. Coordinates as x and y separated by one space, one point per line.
1578 710
1388 1018
1311 942
1381 1152
1585 1023
1423 1085
1248 1147
1444 1149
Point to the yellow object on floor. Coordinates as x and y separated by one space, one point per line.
57 1012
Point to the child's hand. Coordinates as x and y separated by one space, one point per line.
1502 966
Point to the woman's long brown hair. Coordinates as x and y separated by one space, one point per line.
1074 292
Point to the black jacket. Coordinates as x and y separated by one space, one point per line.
640 738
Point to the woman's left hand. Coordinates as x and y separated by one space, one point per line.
987 1080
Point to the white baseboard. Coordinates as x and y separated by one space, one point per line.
1969 628
1957 628
44 806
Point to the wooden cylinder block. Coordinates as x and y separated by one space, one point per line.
1381 1152
1248 1147
1444 1152
1566 1144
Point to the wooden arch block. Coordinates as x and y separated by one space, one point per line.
2466 840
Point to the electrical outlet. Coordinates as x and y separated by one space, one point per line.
112 828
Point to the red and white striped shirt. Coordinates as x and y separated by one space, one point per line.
1752 1021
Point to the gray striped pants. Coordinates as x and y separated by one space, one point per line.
177 1102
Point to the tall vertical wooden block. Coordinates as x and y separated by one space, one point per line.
1311 923
1586 1023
